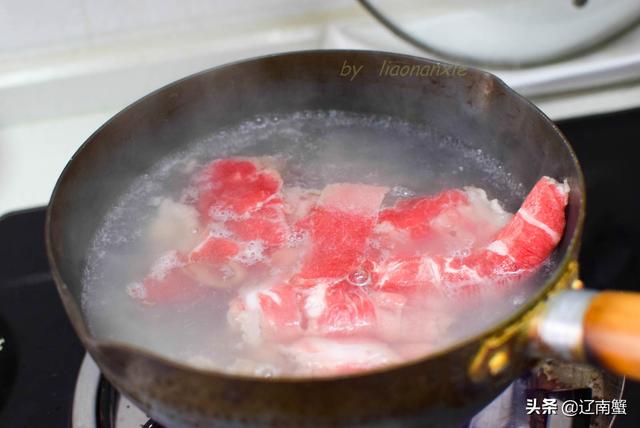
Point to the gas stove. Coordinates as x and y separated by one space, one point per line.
96 404
46 379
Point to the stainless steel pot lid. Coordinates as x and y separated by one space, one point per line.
504 32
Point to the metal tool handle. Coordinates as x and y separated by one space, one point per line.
597 327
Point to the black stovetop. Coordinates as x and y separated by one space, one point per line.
41 355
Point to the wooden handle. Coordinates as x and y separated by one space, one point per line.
612 332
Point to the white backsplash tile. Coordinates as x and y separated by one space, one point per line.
109 16
35 24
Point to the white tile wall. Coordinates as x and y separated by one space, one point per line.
67 65
39 25
64 57
31 24
108 16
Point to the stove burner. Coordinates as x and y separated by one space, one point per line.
98 405
542 420
106 404
107 407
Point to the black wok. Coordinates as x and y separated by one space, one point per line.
442 389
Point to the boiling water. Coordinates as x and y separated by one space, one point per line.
312 149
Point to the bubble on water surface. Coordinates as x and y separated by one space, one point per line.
359 278
402 192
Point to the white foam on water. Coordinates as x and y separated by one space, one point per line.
164 264
252 253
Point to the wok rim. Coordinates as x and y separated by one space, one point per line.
93 345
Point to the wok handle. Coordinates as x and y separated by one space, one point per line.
612 331
602 328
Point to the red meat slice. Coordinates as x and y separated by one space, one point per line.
339 309
453 221
211 263
402 275
178 278
273 313
280 310
526 241
338 242
236 185
322 356
523 244
267 224
176 286
356 271
214 251
339 227
466 226
414 214
393 302
299 202
416 318
537 227
357 199
168 282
